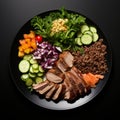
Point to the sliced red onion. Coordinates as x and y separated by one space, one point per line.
46 54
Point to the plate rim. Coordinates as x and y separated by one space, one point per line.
52 108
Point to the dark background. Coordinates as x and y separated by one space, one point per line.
13 15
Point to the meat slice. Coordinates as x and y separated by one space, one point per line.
46 89
62 65
79 79
55 70
53 78
49 94
65 61
76 84
68 58
71 91
57 93
41 85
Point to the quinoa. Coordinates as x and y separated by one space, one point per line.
93 59
58 25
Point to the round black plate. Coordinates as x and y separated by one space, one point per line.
62 105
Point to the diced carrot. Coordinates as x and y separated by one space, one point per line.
27 50
20 54
25 46
22 42
32 34
20 48
26 36
28 44
27 40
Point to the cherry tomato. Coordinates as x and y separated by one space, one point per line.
39 38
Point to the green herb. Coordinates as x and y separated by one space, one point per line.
64 39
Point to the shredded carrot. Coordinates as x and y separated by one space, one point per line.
92 79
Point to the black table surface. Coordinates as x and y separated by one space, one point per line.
13 15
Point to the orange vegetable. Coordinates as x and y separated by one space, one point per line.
27 44
30 35
20 54
92 79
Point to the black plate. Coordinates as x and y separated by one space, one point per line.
62 105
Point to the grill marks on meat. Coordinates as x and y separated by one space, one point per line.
64 81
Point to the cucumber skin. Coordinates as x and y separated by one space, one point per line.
24 66
86 39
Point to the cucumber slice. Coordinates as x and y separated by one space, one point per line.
31 70
78 41
32 75
93 29
86 39
84 28
39 74
24 77
27 57
29 82
35 71
38 80
35 66
33 61
24 66
95 37
41 69
88 32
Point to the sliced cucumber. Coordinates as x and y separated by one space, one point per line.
31 69
27 57
24 66
32 75
84 28
35 66
38 80
78 41
88 32
86 39
93 29
41 69
39 74
33 61
35 71
95 37
24 77
29 82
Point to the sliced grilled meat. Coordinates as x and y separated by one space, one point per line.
51 92
71 92
75 84
68 58
57 93
41 85
53 78
77 73
65 61
62 65
46 89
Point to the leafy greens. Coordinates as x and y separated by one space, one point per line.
63 39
